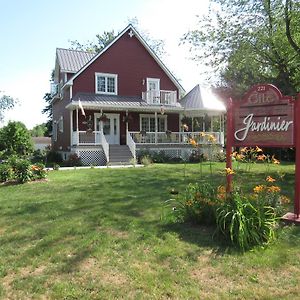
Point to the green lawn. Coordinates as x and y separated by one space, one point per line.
98 234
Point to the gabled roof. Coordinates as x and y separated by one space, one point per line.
202 99
147 47
71 61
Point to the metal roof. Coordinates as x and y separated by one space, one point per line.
41 140
202 100
72 61
91 100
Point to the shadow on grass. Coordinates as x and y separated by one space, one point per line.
202 236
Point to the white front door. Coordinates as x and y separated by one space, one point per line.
153 90
111 127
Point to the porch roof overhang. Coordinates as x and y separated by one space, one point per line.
118 103
201 101
204 112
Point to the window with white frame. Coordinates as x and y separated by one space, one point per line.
147 123
106 83
54 131
61 124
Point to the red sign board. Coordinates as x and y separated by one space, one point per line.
264 117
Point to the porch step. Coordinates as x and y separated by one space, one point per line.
119 154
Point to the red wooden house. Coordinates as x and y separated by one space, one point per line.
110 105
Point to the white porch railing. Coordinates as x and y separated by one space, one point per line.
83 138
161 97
177 137
105 145
131 145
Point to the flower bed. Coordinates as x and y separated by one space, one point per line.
245 219
21 171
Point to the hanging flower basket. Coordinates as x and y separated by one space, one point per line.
103 118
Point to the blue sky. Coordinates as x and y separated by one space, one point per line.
31 30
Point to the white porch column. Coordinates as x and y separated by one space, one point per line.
101 122
180 129
77 126
71 128
156 127
126 123
212 123
192 124
203 124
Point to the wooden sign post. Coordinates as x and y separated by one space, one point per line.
265 118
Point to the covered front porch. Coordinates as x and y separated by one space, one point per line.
99 124
144 128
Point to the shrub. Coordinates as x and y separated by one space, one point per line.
244 222
15 139
23 171
54 157
56 167
13 161
73 161
197 157
146 161
219 156
157 157
6 172
38 156
38 171
197 205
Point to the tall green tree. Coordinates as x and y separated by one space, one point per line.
6 103
15 139
47 110
102 40
39 130
249 42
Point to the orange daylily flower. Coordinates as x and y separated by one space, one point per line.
193 142
243 150
233 154
185 127
270 179
259 188
229 171
274 189
275 161
261 157
211 138
257 149
240 156
35 168
284 200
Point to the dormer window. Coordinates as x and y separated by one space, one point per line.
106 83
